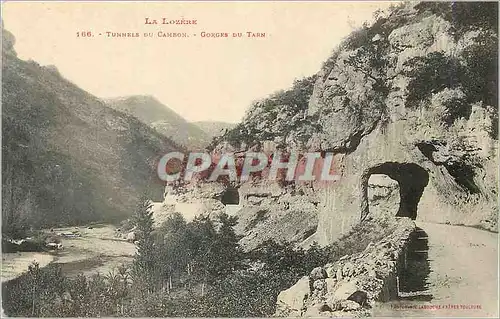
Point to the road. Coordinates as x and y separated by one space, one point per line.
463 274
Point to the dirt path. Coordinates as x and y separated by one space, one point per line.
464 268
463 274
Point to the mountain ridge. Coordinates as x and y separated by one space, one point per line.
163 119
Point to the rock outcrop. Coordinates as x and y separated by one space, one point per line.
265 211
437 138
412 98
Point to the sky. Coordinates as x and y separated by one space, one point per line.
201 78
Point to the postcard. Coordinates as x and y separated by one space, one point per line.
249 159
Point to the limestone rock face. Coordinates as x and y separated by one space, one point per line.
346 105
195 199
265 210
370 111
344 290
383 195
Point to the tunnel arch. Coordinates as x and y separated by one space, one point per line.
230 196
412 180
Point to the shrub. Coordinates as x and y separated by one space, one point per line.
430 74
476 76
481 69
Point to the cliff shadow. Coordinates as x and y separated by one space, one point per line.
414 268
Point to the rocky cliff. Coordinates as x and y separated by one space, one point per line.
412 96
265 211
406 98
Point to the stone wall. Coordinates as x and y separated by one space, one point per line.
350 286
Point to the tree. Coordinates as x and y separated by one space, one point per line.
144 268
202 237
227 250
173 241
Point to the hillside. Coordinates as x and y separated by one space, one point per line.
214 128
280 118
67 157
164 120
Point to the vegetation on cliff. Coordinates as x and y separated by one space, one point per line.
274 118
362 72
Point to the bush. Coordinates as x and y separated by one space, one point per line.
382 26
476 76
209 274
481 70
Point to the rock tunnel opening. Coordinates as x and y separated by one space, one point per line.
412 180
231 196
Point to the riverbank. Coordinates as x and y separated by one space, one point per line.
96 250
